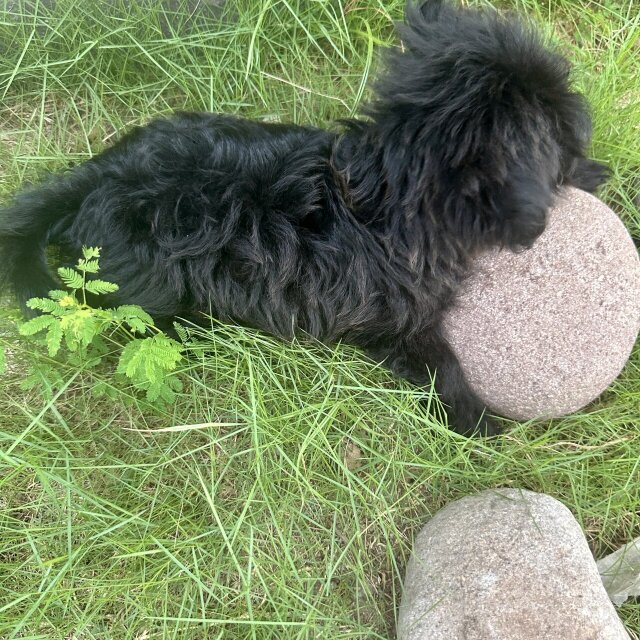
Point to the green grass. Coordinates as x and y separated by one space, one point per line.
286 506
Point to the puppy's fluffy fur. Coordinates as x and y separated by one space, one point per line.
361 235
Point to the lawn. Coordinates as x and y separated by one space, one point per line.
279 495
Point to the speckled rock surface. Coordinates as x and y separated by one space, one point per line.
505 565
543 332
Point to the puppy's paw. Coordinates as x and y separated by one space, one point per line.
587 175
468 416
488 426
474 423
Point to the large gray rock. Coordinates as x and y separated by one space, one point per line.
543 332
505 565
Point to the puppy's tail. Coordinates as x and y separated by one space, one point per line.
26 226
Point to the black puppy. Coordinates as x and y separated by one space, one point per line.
363 235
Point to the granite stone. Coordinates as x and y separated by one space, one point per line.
505 564
543 332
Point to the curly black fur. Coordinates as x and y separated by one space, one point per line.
363 235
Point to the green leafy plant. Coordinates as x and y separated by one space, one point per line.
84 335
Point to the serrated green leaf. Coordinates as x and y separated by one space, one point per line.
54 338
88 253
88 266
182 332
136 325
147 361
84 324
47 305
58 294
35 325
71 278
164 390
154 391
128 361
138 320
100 286
88 329
71 340
127 312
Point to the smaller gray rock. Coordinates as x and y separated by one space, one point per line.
505 565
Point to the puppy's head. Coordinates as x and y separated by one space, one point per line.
480 94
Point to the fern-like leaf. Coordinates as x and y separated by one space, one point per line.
88 253
181 332
57 294
100 286
128 311
88 334
54 338
134 317
46 305
148 359
165 390
71 278
88 266
35 325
